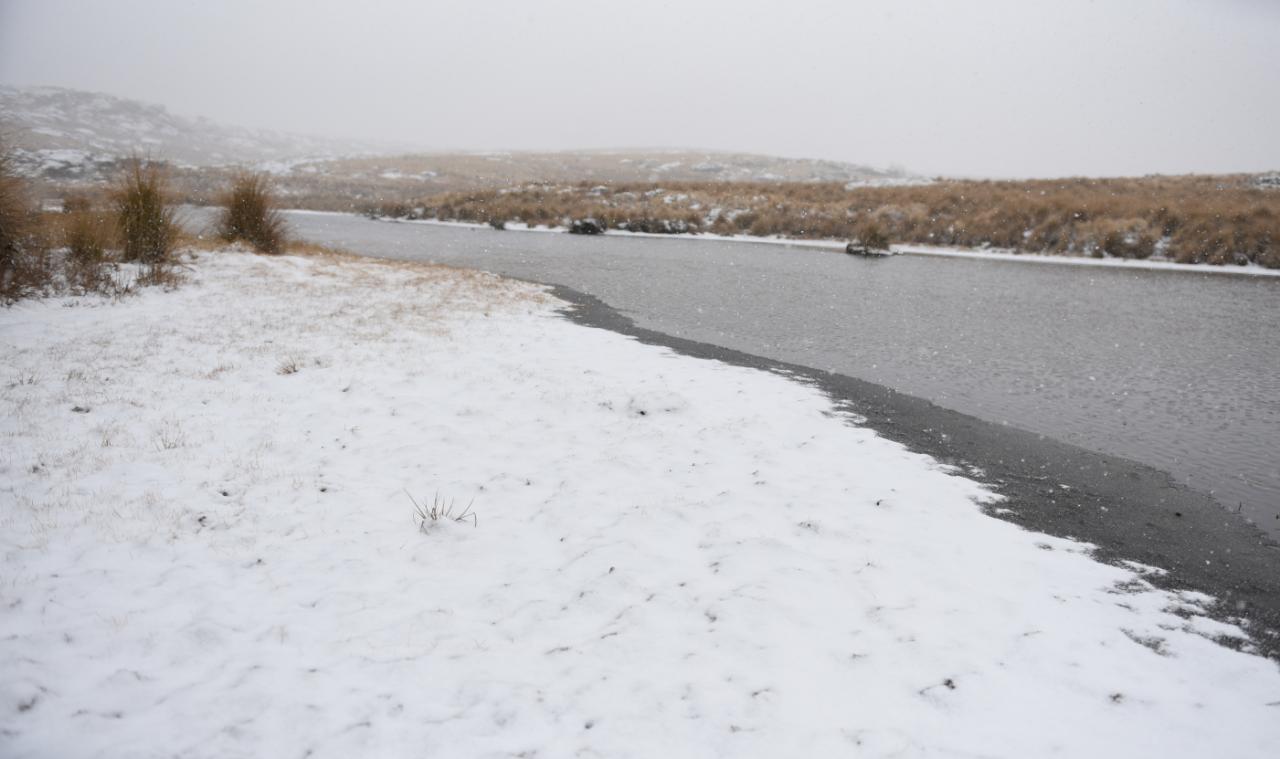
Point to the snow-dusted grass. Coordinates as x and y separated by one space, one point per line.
204 555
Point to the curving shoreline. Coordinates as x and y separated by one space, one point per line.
1129 511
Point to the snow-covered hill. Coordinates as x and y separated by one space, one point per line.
72 135
65 133
467 170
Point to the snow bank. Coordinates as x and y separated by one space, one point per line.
208 550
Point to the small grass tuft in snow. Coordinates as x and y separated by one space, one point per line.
168 436
162 274
439 510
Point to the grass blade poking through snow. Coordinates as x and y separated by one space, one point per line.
427 515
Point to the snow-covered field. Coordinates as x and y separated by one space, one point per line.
208 549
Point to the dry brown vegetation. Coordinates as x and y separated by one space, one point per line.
249 214
87 235
25 263
1193 219
14 214
1222 219
80 249
144 218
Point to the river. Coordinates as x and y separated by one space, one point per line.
1179 370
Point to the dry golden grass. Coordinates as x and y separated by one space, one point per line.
76 253
78 250
86 234
144 217
1223 219
24 260
461 287
316 250
198 242
1194 219
249 214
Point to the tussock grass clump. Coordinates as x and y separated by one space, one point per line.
873 237
146 225
13 221
249 214
86 235
76 202
24 261
74 251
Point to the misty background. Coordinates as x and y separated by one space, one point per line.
995 88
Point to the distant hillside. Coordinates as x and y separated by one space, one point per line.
75 140
64 133
488 169
358 183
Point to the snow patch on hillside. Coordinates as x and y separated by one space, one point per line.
64 133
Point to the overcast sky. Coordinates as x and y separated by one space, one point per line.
991 88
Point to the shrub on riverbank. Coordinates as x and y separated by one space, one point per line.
23 255
249 214
13 210
1192 219
144 219
86 234
78 250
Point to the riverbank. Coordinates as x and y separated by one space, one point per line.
990 254
210 516
1126 511
1100 364
1221 220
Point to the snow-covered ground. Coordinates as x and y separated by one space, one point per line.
208 549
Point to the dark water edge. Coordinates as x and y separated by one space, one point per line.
1112 406
1175 369
1128 510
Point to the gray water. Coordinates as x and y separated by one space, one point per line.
1179 370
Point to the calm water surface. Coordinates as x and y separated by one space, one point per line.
1179 370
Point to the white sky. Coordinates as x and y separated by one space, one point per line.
991 88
